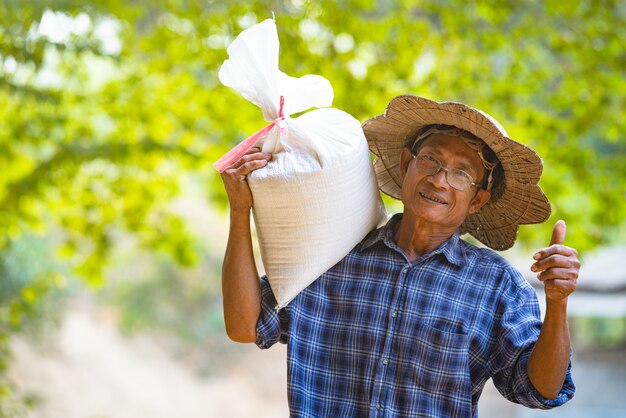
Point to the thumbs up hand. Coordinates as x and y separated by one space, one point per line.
557 265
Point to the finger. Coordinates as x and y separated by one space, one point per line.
250 157
253 150
250 166
558 233
556 260
558 274
555 250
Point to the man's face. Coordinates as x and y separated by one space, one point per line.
429 197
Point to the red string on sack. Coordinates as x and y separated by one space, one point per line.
245 145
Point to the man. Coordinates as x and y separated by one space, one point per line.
414 321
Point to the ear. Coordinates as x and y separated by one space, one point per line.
405 160
481 198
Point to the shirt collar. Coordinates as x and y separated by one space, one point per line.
451 248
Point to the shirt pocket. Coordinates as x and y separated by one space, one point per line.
436 364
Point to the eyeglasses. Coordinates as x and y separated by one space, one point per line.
456 178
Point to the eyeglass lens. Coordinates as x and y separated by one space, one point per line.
430 166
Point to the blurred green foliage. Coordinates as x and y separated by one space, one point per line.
106 104
30 296
182 309
161 296
599 332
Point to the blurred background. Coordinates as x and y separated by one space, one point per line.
113 221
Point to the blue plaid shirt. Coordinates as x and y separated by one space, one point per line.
378 335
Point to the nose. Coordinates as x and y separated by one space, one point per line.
440 179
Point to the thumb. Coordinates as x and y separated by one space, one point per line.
558 233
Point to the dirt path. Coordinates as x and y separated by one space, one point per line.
94 372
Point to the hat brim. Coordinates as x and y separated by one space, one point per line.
497 222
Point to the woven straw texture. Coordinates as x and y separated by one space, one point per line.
495 224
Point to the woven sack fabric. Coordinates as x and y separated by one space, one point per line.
318 197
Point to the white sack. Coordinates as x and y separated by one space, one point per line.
318 197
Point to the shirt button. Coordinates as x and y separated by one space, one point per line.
385 361
379 407
405 270
394 314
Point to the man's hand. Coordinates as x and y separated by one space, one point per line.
234 178
557 266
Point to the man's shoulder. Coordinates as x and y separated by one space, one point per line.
372 250
486 258
482 254
375 236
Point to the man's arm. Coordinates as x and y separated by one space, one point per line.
241 289
558 268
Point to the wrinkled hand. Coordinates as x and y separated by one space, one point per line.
557 265
234 178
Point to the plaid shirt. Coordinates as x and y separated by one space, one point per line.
378 335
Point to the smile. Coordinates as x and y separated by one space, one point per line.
432 198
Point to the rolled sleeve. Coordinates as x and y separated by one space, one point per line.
272 324
526 394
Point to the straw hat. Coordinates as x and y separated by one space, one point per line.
519 199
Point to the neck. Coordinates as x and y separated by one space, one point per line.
417 237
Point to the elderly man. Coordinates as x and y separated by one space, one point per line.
414 320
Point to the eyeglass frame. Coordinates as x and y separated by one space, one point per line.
447 170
